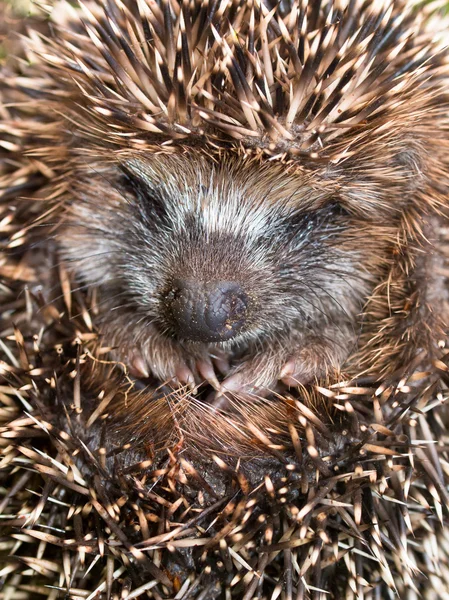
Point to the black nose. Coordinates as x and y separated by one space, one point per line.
207 312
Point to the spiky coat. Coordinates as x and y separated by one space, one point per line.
337 490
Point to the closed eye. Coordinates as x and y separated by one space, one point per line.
150 203
332 213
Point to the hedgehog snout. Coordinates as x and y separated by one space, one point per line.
206 311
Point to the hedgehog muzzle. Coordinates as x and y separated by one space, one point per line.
213 311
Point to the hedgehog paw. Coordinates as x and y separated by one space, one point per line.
312 361
294 373
242 383
235 385
262 374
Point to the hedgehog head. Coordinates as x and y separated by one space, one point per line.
221 167
231 256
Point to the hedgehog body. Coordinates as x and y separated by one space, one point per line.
238 197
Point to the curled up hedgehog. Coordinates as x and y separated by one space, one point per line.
224 301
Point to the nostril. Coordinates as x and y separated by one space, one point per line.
173 295
207 312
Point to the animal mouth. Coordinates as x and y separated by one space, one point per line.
211 368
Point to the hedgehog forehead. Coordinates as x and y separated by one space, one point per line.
230 196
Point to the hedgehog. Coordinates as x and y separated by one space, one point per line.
224 301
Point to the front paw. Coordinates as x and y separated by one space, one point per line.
257 376
174 366
167 366
315 361
311 360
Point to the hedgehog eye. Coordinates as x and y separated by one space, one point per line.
149 203
337 208
302 222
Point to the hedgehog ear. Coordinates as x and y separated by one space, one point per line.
332 211
132 182
408 164
410 159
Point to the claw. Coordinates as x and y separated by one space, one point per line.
237 385
234 383
292 376
138 367
288 369
222 363
206 370
185 376
218 401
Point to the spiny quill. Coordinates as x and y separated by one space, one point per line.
280 82
114 485
353 507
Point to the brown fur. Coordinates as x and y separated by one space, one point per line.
297 483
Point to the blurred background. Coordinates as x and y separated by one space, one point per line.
13 15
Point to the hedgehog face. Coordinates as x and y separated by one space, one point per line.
235 261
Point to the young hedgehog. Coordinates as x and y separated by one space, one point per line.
254 194
237 178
